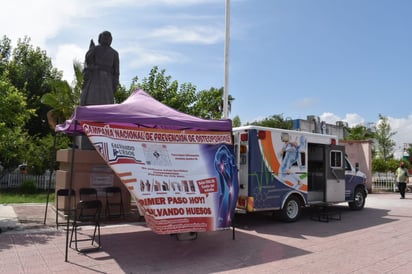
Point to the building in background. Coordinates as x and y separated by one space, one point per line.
315 125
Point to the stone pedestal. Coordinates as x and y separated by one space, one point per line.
89 170
83 143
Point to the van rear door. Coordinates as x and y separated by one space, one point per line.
335 173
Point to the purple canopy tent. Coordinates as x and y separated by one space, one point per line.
139 109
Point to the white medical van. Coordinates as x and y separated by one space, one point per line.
287 170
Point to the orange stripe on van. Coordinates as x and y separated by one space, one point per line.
304 188
289 183
269 152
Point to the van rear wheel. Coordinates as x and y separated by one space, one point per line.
292 209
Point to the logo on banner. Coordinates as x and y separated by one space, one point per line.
122 153
102 148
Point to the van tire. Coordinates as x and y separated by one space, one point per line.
292 209
358 199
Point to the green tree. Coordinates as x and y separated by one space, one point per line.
5 52
359 132
383 135
41 152
161 87
274 121
30 70
14 115
206 104
63 98
379 165
209 104
393 164
122 94
410 153
236 121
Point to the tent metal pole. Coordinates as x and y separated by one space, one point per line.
70 189
50 176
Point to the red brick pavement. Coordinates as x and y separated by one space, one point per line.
377 239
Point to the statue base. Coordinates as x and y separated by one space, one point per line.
83 143
89 170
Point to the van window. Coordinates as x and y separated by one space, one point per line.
336 159
347 165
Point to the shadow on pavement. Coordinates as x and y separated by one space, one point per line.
134 247
148 252
21 239
350 221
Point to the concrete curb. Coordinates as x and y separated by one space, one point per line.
8 219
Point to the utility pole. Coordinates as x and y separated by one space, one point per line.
226 84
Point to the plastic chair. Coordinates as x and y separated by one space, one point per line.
87 214
114 199
62 204
88 193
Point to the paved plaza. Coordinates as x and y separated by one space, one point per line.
377 239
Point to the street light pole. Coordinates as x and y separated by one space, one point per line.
226 84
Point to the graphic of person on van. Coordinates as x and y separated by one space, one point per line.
226 169
290 154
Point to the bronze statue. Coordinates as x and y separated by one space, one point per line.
101 72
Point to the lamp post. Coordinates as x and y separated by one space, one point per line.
226 83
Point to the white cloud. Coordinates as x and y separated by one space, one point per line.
38 20
403 129
193 34
65 56
138 57
133 58
329 118
143 59
155 2
353 119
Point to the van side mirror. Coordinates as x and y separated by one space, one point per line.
357 167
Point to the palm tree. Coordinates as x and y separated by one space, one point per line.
359 132
63 98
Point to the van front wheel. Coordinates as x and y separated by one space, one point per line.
291 210
358 200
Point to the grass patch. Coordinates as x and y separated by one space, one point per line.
16 197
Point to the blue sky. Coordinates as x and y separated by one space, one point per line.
346 60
